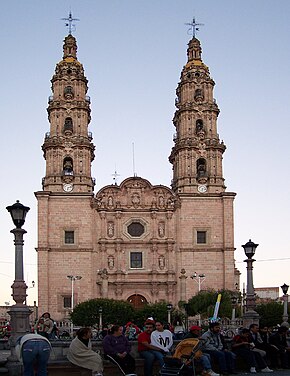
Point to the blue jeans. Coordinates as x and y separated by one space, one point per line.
205 361
35 353
159 356
149 357
226 359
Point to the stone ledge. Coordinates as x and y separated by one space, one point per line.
65 368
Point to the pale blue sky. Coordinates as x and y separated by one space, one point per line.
133 53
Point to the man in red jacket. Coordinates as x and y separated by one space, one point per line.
147 351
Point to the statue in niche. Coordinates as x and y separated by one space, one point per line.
161 262
161 201
154 203
161 229
170 202
110 201
110 229
111 262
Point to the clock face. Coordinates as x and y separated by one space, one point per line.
68 187
202 188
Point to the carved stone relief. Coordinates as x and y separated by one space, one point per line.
161 229
110 229
135 199
111 262
161 262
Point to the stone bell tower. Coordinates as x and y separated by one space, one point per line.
205 239
65 223
67 148
197 153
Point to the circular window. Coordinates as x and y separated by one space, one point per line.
135 229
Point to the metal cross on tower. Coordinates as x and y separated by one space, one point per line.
69 24
193 27
115 177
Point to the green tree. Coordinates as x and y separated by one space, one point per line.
204 303
270 313
157 310
113 311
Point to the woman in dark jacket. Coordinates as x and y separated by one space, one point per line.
118 347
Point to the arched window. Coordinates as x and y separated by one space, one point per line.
68 92
68 125
198 95
68 166
201 167
198 125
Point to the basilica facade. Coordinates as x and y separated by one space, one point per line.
134 241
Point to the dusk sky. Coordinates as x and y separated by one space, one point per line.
133 52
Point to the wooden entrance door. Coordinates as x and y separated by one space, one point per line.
137 301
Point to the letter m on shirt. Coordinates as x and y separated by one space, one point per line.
164 341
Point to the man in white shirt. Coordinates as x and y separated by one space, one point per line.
162 338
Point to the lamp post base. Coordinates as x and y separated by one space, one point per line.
19 315
285 322
15 368
250 317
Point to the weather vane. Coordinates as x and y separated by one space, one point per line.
69 23
193 27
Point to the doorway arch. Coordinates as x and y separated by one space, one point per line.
138 301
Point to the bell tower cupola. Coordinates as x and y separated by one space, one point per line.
68 148
197 152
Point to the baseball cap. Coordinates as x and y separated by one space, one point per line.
195 327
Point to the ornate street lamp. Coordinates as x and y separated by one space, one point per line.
18 312
169 309
250 316
285 303
18 213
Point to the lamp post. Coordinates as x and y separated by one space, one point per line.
285 303
18 312
199 279
234 300
100 318
169 309
250 315
30 287
73 278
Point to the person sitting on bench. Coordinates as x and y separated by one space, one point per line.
117 346
81 354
